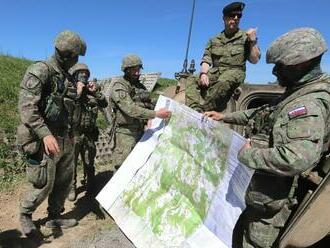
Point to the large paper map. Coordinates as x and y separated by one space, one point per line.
182 185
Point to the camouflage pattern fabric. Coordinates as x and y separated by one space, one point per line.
70 42
227 58
124 145
132 109
42 80
79 67
130 60
39 82
86 148
298 138
86 131
298 134
129 110
300 44
59 174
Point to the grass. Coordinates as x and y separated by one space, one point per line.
11 73
162 83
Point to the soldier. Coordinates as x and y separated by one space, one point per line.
132 108
298 135
43 135
223 63
86 132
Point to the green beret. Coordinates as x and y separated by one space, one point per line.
236 7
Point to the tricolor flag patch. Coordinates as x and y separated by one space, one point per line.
297 112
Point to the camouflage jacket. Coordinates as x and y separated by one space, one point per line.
224 53
257 121
131 104
300 131
87 110
40 81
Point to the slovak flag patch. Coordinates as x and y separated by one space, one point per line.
297 112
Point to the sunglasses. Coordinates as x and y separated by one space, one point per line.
67 54
233 15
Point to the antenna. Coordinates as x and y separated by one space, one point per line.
185 63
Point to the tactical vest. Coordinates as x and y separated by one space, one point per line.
55 106
89 112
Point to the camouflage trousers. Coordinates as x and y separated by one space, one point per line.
263 231
267 212
256 229
125 140
86 148
217 94
57 179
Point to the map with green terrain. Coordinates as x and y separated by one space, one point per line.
182 185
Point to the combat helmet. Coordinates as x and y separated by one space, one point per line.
131 60
68 42
79 67
297 46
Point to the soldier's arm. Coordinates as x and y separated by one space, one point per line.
207 58
30 99
205 65
100 99
301 152
243 117
239 117
252 46
124 102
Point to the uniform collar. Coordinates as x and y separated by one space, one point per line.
56 66
237 35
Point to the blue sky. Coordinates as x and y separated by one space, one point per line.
154 29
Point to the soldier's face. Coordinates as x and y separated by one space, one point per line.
66 59
232 21
134 72
288 75
82 76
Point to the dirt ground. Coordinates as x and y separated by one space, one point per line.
95 228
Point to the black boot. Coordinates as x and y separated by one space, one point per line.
56 221
90 187
73 193
28 227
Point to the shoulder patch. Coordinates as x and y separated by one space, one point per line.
297 112
32 82
39 70
122 94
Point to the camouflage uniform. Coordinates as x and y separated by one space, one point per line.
298 139
132 107
44 108
37 85
86 131
227 58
